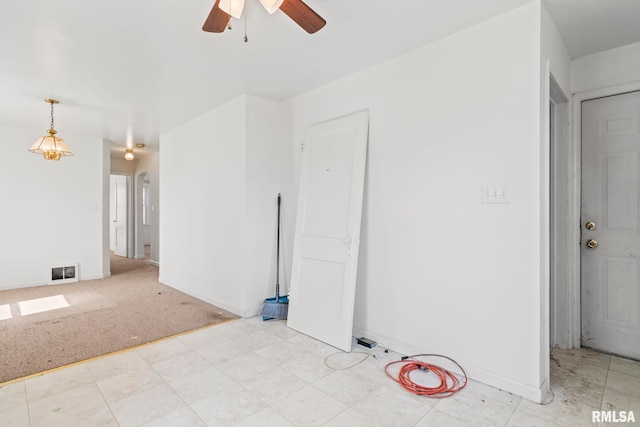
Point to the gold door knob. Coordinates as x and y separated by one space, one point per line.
592 243
590 225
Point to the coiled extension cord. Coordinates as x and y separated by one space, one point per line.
450 383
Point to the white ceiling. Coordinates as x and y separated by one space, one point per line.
128 70
590 26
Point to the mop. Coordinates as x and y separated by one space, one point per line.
278 307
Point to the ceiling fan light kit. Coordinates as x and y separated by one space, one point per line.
271 5
232 7
297 10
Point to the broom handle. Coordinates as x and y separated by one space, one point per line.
278 255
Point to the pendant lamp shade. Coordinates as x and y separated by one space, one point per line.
271 5
50 146
232 7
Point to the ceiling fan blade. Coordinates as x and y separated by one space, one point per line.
217 20
303 15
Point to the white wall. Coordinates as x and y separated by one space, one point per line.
219 177
52 211
552 47
202 217
121 166
148 164
268 164
606 69
439 271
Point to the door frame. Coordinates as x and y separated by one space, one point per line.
575 202
559 214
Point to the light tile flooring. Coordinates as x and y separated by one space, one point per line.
255 373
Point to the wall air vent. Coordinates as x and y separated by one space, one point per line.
64 273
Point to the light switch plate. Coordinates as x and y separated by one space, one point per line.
495 194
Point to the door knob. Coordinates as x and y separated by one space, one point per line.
592 243
590 225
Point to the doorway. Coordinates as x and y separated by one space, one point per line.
119 215
610 236
559 218
144 218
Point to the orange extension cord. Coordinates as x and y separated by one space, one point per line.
445 389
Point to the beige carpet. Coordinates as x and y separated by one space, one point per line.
125 310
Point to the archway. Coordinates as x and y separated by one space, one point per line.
144 229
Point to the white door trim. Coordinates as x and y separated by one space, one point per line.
575 202
559 218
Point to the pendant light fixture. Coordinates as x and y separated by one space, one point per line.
50 146
128 154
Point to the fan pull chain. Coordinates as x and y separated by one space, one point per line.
52 115
245 38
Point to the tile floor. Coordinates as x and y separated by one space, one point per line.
254 373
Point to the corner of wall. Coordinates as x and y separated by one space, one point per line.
106 188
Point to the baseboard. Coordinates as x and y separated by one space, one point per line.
201 297
139 257
22 285
154 262
476 374
44 283
94 277
254 311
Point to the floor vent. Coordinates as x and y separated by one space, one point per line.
63 274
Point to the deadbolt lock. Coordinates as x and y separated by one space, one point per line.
592 243
590 225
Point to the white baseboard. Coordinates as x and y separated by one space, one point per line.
204 298
254 311
44 282
476 374
94 277
154 262
22 285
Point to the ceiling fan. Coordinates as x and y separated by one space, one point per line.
303 15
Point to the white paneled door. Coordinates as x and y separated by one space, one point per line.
325 253
119 214
609 222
